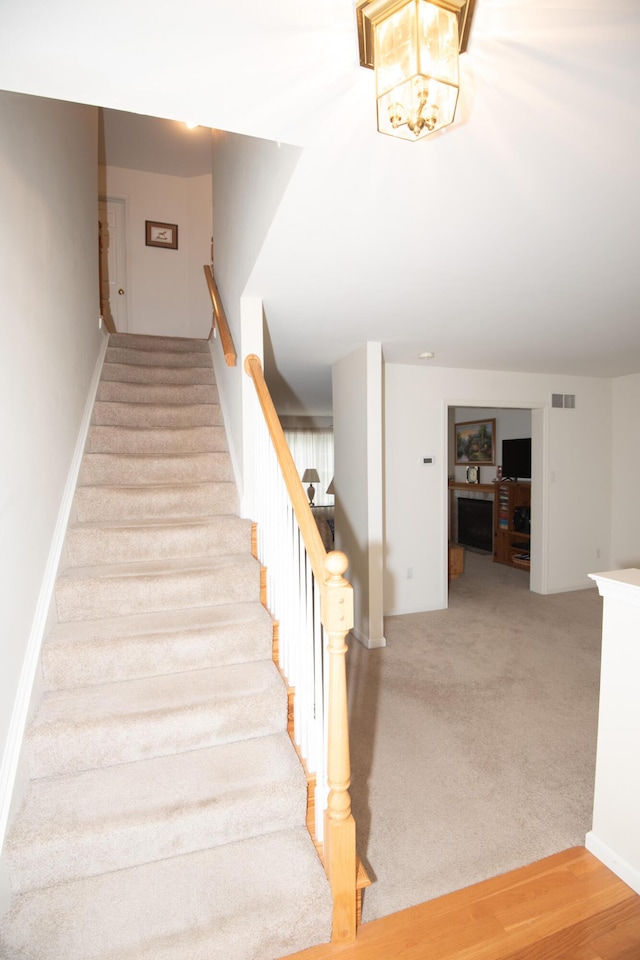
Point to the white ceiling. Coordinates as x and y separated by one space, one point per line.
508 241
153 144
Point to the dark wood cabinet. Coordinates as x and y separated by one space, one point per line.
511 536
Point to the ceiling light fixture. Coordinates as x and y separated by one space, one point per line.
413 46
427 355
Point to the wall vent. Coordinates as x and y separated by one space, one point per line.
566 400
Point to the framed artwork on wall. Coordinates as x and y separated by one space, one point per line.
161 234
476 443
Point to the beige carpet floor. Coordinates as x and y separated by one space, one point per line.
473 736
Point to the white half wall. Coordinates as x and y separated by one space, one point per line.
50 345
249 178
571 464
357 425
615 837
625 519
166 289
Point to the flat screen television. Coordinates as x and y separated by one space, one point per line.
516 459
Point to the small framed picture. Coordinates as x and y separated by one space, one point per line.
473 474
161 234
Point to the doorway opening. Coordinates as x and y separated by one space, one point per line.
113 261
488 514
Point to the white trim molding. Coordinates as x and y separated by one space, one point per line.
368 642
620 585
20 713
617 864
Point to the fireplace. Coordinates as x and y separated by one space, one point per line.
475 523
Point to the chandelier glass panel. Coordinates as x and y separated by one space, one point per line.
413 46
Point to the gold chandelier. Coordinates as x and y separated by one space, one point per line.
413 46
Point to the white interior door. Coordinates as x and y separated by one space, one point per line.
112 216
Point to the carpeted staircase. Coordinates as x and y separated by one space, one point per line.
165 818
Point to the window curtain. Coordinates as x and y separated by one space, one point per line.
314 449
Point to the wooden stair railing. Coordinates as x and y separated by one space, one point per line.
338 849
105 312
219 319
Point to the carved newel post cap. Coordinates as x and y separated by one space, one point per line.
336 563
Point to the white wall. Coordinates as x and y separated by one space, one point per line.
625 520
357 413
166 289
50 344
573 475
249 178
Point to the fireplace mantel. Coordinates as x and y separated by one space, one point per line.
479 487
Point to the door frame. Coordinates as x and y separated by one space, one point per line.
122 259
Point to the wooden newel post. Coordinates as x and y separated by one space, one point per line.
339 825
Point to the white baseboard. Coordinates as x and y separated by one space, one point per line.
20 714
569 589
5 889
617 864
367 641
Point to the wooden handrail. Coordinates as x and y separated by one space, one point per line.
220 317
105 313
336 612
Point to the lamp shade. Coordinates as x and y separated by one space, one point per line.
310 476
330 489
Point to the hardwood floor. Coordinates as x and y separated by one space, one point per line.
566 907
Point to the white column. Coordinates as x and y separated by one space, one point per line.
357 429
615 837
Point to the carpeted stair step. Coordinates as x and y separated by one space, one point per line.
112 723
82 652
165 817
111 542
140 373
192 907
170 440
129 468
144 341
157 357
111 818
168 501
150 393
156 415
89 593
